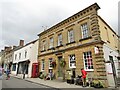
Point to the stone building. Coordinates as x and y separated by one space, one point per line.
77 40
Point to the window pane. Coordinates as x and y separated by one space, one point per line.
88 60
44 45
70 36
50 62
72 61
84 30
59 39
51 42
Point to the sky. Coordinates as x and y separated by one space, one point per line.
25 19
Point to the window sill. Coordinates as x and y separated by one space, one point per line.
91 70
51 48
59 46
70 43
50 68
85 38
43 50
72 67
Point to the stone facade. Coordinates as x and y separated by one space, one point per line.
77 48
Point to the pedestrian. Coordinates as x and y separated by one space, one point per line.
7 73
84 73
24 74
50 74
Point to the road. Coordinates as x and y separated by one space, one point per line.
16 83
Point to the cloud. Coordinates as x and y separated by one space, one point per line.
24 19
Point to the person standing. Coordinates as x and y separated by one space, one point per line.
84 73
8 73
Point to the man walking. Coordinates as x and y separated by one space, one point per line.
84 73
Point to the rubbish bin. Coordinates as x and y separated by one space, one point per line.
70 78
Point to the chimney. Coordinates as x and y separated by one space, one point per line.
8 48
14 47
5 48
21 43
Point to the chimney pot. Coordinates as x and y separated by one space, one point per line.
21 43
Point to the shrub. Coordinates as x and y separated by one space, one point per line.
97 84
62 63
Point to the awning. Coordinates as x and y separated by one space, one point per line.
27 61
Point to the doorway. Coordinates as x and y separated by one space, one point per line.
60 72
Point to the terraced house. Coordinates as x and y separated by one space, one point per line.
77 42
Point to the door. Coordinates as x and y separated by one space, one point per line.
113 69
60 73
110 76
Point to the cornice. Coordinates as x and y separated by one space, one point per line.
94 6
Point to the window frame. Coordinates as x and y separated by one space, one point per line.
72 61
42 65
59 39
71 38
44 45
19 55
84 30
50 63
15 56
25 54
89 54
51 45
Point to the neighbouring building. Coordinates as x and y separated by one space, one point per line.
2 56
24 58
83 40
111 51
1 53
8 57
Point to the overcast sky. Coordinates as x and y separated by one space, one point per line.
24 19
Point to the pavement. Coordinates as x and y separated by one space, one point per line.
54 83
50 83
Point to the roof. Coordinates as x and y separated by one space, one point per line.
32 42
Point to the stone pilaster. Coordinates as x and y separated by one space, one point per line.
94 26
100 66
